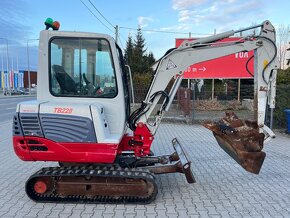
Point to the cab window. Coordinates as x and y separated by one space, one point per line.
82 68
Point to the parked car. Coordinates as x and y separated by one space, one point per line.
18 92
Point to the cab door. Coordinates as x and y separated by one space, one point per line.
125 80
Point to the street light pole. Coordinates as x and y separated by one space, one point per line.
7 61
28 69
28 65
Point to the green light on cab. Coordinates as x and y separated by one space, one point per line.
48 23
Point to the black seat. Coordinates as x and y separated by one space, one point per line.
66 83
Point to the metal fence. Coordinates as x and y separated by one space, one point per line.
198 105
203 107
247 92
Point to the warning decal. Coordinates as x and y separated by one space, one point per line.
170 65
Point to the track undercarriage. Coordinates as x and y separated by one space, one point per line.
118 183
92 184
131 179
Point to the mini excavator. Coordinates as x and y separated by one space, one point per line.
82 119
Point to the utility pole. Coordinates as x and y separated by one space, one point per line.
2 76
212 84
28 69
12 74
188 80
239 80
17 70
212 90
239 90
7 61
116 33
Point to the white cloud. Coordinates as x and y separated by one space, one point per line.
219 12
230 1
184 4
181 27
184 29
185 15
144 21
243 8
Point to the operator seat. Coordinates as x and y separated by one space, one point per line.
66 83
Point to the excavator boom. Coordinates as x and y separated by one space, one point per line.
242 139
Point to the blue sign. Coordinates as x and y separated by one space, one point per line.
15 80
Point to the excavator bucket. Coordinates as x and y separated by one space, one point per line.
241 140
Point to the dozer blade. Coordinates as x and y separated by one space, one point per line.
179 162
241 140
184 161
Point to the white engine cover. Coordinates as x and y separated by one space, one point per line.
70 122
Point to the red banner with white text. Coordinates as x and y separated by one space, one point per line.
227 67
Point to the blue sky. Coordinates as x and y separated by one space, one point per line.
23 19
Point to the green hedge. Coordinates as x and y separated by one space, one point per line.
282 103
141 83
282 99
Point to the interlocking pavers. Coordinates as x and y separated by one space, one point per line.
223 188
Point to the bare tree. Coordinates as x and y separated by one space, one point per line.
283 33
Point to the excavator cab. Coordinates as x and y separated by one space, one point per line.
82 118
82 97
87 67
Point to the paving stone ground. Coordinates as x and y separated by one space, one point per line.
223 188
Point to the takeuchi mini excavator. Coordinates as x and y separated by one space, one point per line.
82 119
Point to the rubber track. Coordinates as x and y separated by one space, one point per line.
93 171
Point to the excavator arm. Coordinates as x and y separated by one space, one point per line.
242 140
